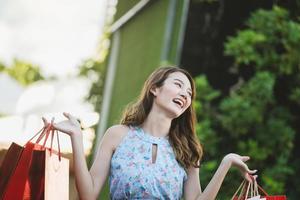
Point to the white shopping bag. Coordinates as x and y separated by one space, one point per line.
255 198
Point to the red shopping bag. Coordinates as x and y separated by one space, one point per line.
10 163
40 172
271 197
48 176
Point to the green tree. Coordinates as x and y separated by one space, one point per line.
22 71
2 67
258 117
95 70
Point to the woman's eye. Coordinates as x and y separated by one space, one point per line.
178 84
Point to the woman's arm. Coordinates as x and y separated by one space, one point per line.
89 183
83 179
192 190
101 166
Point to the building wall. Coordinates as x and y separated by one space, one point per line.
141 41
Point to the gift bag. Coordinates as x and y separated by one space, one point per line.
10 162
246 191
8 165
56 177
252 191
266 196
48 176
40 172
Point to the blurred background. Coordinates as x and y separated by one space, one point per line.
91 59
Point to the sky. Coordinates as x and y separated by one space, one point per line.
54 34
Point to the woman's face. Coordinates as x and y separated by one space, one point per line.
174 96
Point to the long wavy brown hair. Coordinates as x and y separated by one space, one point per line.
182 134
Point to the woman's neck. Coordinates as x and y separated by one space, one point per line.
157 124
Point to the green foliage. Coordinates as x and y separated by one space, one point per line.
95 70
2 67
252 99
245 46
24 72
258 116
205 94
294 94
271 43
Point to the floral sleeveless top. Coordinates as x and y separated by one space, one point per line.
133 174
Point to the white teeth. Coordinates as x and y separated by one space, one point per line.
179 102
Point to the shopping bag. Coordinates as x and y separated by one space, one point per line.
8 165
266 196
56 177
246 191
254 194
40 173
11 161
48 176
252 191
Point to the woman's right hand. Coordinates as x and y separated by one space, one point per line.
239 162
70 126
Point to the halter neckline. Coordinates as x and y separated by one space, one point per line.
150 138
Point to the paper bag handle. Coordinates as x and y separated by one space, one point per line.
45 132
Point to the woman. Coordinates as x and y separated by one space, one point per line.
154 152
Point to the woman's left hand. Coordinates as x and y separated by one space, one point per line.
239 162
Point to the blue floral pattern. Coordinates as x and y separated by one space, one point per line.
134 176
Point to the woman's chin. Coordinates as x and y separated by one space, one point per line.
175 113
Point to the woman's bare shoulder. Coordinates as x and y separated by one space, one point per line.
118 129
116 133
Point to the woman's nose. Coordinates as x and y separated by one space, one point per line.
183 95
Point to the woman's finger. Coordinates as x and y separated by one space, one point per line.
248 178
244 167
71 118
61 127
67 115
52 120
245 158
45 121
252 171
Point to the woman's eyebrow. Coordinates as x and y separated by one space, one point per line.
176 79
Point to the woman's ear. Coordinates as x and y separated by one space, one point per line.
153 91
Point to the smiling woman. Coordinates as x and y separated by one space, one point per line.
154 152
